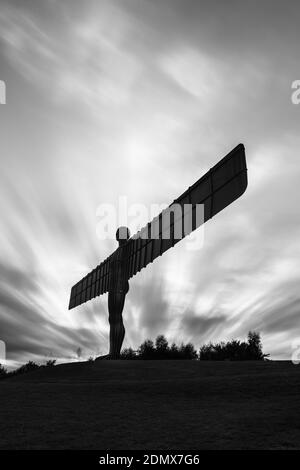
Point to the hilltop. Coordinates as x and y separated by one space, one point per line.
153 405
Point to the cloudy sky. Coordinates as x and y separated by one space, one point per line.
138 98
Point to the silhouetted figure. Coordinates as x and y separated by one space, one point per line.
118 288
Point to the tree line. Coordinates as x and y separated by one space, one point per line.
233 350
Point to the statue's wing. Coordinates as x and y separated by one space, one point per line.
219 187
93 284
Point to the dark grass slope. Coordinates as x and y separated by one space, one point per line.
153 405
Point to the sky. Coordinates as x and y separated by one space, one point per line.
138 99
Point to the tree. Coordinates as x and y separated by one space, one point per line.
187 351
174 352
147 350
255 346
128 353
162 347
3 372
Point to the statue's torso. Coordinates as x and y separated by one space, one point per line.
118 281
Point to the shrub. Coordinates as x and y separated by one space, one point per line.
28 367
160 350
161 347
3 372
174 352
187 351
128 353
255 346
147 350
50 363
234 350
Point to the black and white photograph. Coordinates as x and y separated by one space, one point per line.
150 228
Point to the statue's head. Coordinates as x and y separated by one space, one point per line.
122 235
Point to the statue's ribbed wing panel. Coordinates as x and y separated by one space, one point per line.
219 187
92 285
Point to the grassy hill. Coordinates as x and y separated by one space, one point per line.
153 405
